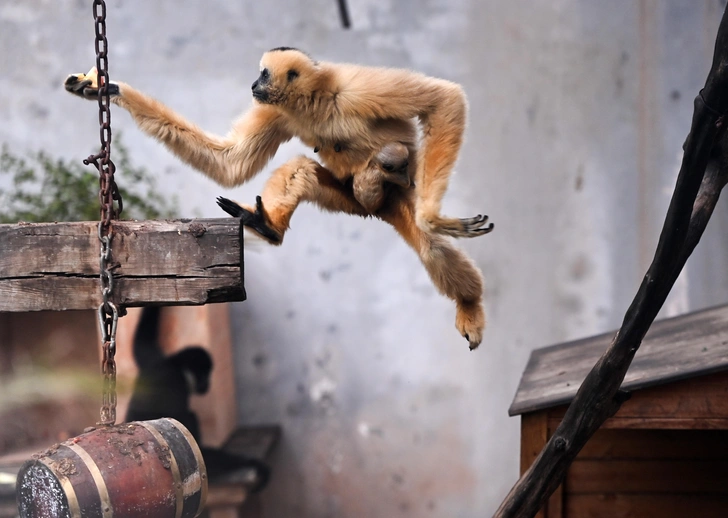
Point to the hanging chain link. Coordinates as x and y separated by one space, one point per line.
108 194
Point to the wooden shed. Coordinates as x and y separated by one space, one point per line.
665 453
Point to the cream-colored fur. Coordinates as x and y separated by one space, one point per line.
359 120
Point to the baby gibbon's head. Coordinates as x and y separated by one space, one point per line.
285 75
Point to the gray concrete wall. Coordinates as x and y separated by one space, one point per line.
578 110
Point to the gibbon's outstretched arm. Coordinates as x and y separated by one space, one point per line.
302 179
229 161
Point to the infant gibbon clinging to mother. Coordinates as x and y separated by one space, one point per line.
354 117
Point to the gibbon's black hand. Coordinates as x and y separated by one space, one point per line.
254 220
84 86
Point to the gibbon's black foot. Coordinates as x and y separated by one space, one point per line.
230 207
476 226
464 227
253 220
85 85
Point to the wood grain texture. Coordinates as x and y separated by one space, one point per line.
612 505
647 476
642 423
674 349
697 403
55 266
656 444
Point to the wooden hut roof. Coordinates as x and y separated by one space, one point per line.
674 349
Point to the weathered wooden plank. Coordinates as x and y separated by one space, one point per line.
534 434
674 349
611 505
55 266
664 423
657 444
701 398
647 476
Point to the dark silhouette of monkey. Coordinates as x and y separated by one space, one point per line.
165 383
163 389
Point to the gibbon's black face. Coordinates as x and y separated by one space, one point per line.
280 75
261 86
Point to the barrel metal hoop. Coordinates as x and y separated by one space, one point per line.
178 490
106 510
200 462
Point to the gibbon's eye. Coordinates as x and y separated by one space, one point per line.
264 74
292 74
388 167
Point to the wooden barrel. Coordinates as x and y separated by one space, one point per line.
139 469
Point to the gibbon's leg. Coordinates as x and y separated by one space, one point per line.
442 136
229 160
452 272
300 179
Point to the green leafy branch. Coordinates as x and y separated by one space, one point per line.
54 189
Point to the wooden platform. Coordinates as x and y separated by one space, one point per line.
55 266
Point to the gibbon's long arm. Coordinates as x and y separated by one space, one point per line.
229 161
441 107
146 339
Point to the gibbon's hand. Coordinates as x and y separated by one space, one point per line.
253 220
87 85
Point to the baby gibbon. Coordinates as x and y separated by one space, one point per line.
358 119
387 166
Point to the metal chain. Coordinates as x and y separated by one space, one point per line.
108 194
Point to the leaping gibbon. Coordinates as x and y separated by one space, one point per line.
363 124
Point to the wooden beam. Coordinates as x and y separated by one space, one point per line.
55 266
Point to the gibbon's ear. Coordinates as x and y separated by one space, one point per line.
292 74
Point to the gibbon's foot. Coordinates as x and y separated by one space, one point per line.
253 220
454 227
470 321
87 86
473 227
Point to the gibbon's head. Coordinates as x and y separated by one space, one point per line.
392 158
285 74
195 363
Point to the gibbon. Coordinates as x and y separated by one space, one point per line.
357 119
165 383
